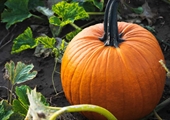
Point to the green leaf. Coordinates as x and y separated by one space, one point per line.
56 21
59 50
17 11
18 107
46 41
138 10
24 41
99 4
45 47
5 110
21 104
89 6
32 4
19 73
70 35
2 6
67 13
16 116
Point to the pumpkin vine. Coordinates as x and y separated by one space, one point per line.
111 35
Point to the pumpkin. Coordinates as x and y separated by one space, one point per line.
114 65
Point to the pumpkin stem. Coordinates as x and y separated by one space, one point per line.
111 36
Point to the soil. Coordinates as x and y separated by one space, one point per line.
45 66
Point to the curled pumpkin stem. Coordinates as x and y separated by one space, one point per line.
111 36
166 69
84 107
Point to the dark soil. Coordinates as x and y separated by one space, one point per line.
45 66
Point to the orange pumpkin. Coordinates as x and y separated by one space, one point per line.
122 75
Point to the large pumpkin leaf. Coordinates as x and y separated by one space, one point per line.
19 73
5 110
21 104
67 13
24 41
17 11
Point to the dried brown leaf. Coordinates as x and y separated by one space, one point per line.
148 14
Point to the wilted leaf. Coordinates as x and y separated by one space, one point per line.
5 110
41 50
38 106
67 13
148 14
17 11
24 41
59 50
45 47
19 73
45 11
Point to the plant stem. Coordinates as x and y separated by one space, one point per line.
37 17
55 64
95 13
84 107
158 108
75 26
156 115
111 36
10 95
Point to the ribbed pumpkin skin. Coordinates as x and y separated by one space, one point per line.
128 81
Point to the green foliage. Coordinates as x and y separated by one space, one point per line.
5 110
138 10
67 13
32 4
21 104
19 73
50 43
97 3
24 41
46 41
2 6
70 35
59 50
18 10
